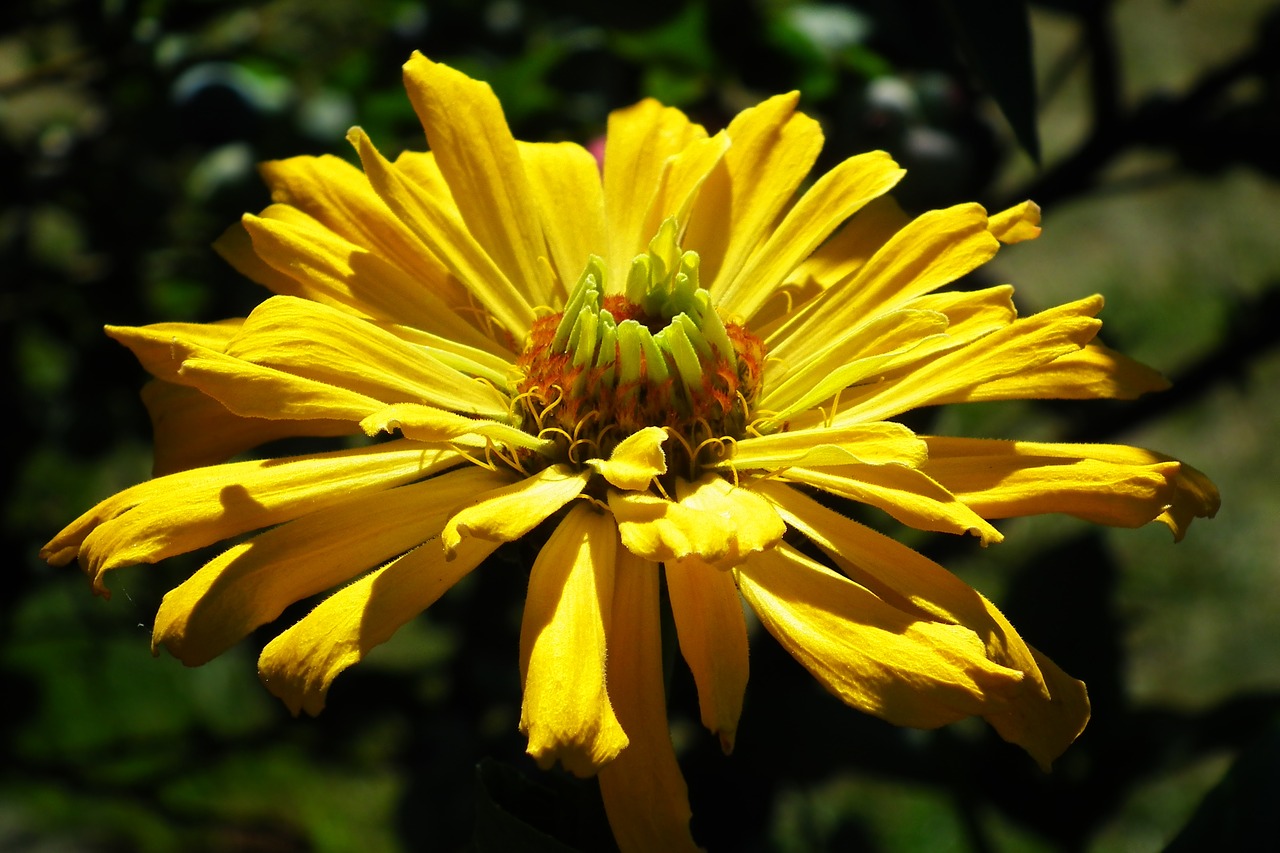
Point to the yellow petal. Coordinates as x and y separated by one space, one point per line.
441 229
636 460
190 429
1196 497
712 519
1045 729
1006 479
873 656
638 142
713 641
936 248
565 181
1022 345
857 355
908 495
971 314
181 512
566 711
1049 710
153 345
338 196
249 390
427 423
236 248
300 664
832 199
477 155
682 180
1094 372
888 345
493 367
422 168
252 583
1018 223
505 514
855 243
835 261
773 147
870 444
644 793
327 344
331 270
1103 483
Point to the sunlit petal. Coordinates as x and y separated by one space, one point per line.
713 641
566 711
644 793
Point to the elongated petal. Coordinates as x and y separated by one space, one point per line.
908 495
636 460
566 711
682 180
478 157
936 248
181 512
638 142
1103 483
328 345
1022 345
494 368
334 271
873 656
833 262
507 513
857 355
191 429
1095 372
301 663
773 148
644 793
338 196
1049 710
153 345
1005 479
236 248
888 345
870 444
252 583
711 519
971 314
713 640
249 390
565 181
832 199
427 423
854 244
1018 223
441 229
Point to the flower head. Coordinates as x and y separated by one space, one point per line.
673 364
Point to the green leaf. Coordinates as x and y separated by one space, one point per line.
994 38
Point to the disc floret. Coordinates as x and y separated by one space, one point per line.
658 354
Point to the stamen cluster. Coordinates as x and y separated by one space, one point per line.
657 355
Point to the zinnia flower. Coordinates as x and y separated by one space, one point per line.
673 365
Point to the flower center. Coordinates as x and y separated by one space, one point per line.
658 355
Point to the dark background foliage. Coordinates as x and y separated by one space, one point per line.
1148 130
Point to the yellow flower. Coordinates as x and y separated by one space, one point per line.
674 364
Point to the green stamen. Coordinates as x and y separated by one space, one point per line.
672 329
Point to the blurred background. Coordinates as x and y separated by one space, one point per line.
1148 130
